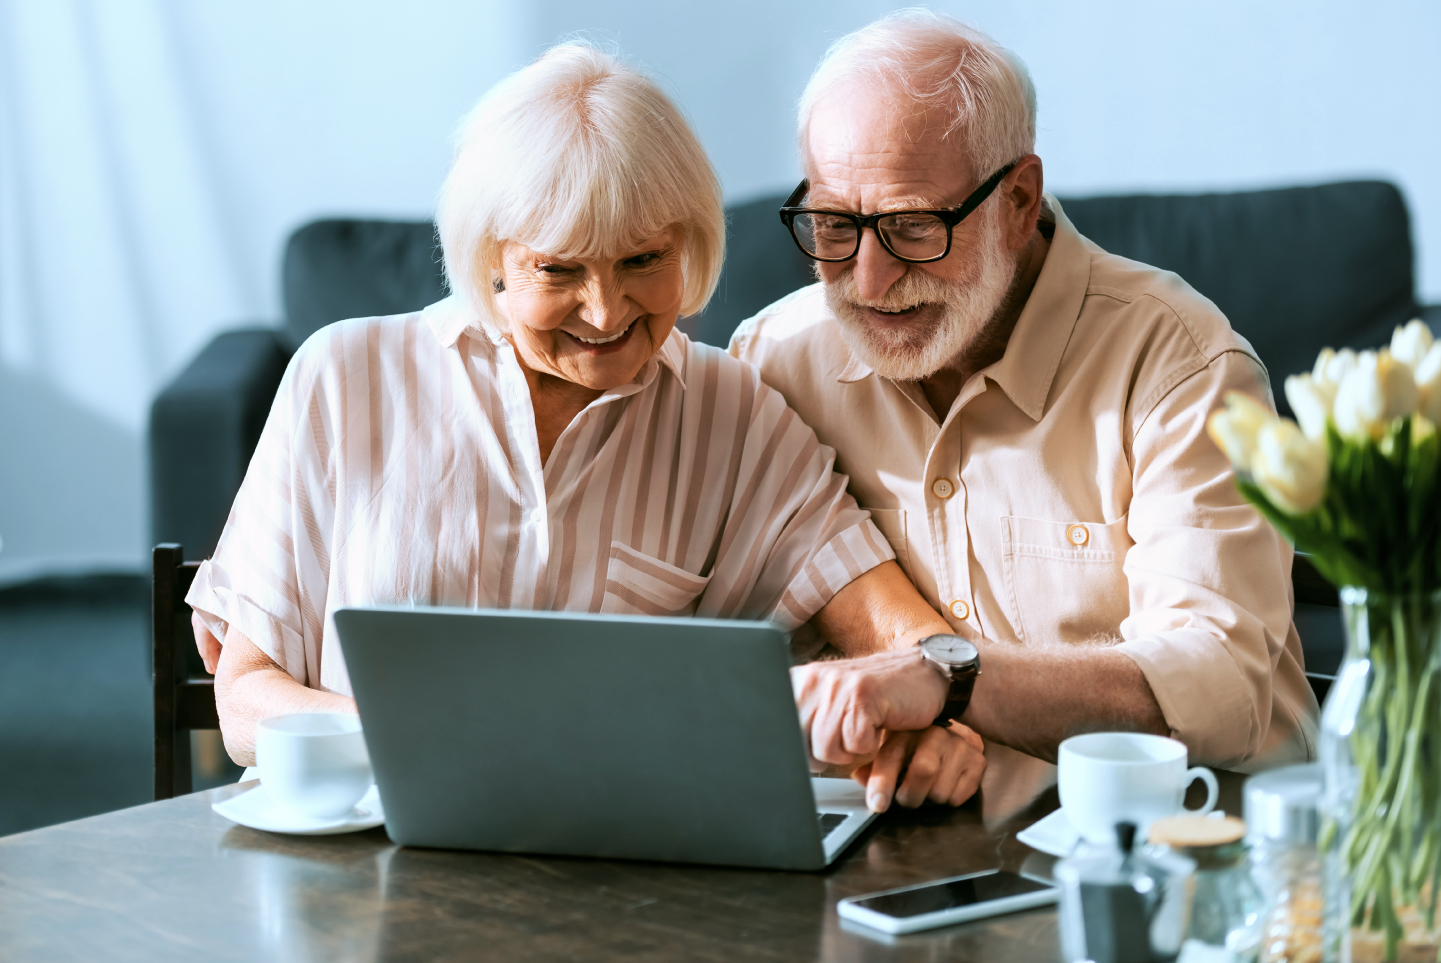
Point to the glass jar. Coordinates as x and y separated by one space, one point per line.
1281 823
1380 837
1226 903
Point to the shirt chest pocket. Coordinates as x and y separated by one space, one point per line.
637 584
1065 581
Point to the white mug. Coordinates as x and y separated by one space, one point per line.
1114 777
314 763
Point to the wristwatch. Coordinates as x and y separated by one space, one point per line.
959 662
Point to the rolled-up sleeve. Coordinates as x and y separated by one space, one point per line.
1210 589
794 536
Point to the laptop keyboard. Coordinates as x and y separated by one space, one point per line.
830 821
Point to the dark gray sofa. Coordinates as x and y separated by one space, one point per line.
1294 269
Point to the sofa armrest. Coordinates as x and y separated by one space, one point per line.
204 427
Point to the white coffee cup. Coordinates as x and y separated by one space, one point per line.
314 763
1114 777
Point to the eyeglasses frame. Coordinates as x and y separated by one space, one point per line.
950 216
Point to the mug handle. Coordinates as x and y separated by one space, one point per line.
1213 789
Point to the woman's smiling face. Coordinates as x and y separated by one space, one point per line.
593 321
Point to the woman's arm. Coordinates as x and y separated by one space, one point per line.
250 687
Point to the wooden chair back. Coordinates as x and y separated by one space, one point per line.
184 699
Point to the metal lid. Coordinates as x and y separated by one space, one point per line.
1281 804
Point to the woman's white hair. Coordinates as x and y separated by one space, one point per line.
576 155
934 61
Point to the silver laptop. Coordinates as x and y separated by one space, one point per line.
592 735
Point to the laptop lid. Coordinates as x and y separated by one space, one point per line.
586 735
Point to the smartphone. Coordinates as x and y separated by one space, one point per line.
946 901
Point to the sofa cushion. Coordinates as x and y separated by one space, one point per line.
1295 269
348 268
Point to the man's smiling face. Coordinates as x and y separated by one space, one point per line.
866 153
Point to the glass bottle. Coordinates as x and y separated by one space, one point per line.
1226 903
1282 822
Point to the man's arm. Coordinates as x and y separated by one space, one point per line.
250 687
1031 698
885 709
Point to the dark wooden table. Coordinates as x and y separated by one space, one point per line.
174 881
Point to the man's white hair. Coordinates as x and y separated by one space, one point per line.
576 155
935 61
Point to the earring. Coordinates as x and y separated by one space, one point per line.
498 285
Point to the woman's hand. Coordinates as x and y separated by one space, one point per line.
250 688
945 766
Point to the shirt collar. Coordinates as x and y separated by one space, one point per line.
452 317
1033 353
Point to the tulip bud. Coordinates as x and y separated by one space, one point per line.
1428 384
1311 400
1410 343
1289 467
1333 366
1234 428
1378 389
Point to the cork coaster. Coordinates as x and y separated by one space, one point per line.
1184 832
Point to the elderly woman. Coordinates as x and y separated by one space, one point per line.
544 438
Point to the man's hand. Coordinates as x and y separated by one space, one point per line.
946 766
208 644
847 706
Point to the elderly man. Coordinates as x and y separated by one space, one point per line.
1023 414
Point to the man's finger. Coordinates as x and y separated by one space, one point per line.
885 770
970 781
924 768
956 754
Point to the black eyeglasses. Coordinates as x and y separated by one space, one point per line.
914 236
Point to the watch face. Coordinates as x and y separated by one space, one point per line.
951 649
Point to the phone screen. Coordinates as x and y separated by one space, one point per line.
952 894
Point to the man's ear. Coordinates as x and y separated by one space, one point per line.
1021 194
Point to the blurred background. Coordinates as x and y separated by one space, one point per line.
156 154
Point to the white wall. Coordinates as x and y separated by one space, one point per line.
154 154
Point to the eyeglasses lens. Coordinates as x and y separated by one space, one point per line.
911 235
916 236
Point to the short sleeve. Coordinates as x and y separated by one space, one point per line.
268 575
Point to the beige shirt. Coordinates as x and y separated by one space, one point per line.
1071 494
400 464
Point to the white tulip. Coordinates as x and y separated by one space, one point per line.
1234 428
1312 401
1289 467
1428 384
1378 389
1410 343
1332 367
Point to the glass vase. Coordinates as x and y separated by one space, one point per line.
1381 799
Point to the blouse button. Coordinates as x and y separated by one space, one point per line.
960 609
1078 535
942 488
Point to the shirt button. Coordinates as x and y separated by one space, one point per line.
942 488
1078 535
960 609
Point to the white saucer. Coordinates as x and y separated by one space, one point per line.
255 808
1054 834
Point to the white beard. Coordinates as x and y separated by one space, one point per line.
918 349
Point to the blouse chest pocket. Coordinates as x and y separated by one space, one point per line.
1065 581
638 584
